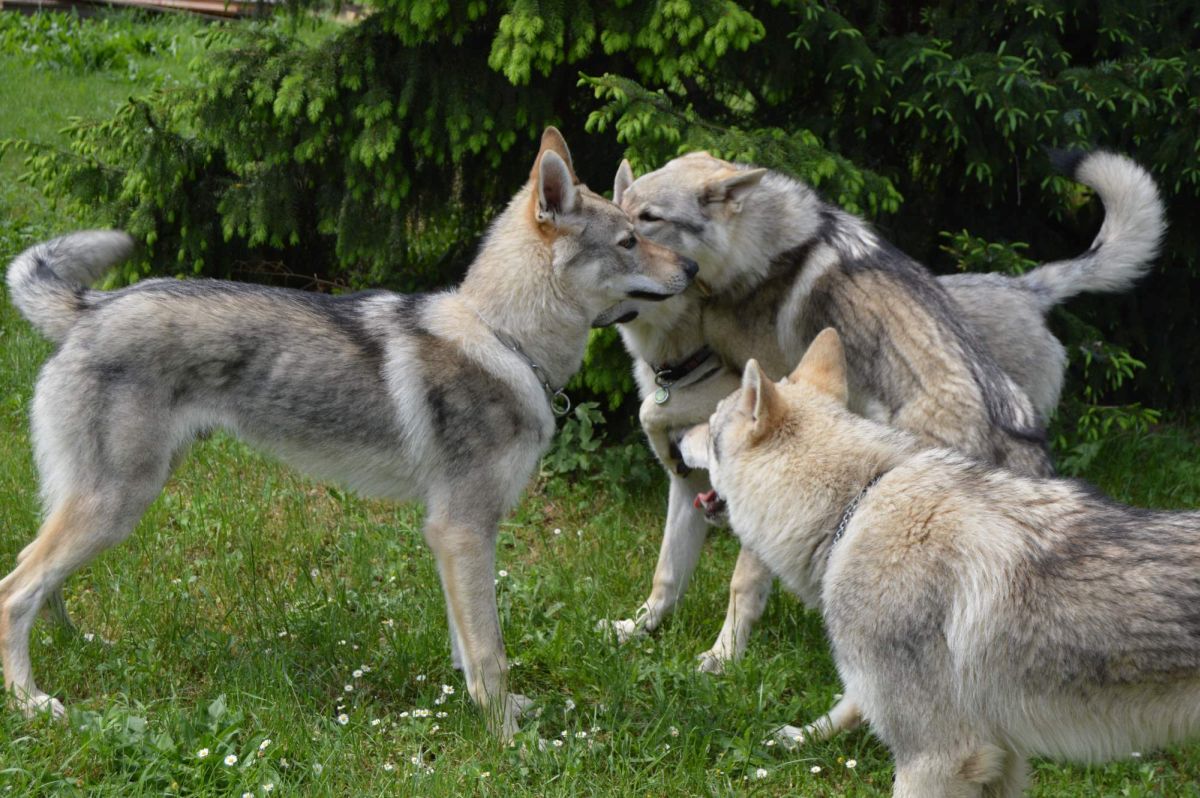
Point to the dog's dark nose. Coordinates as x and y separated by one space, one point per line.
690 268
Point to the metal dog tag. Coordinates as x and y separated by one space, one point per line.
662 395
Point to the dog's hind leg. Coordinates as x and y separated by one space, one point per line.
55 608
683 539
748 593
76 530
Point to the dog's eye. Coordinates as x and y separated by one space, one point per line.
647 216
629 242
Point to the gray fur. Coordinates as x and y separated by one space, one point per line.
51 299
978 617
964 361
428 397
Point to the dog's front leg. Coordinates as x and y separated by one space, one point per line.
466 558
748 593
683 539
845 715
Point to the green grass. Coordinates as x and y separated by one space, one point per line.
241 608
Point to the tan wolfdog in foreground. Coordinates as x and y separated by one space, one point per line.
978 617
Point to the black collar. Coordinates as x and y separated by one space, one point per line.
850 509
667 374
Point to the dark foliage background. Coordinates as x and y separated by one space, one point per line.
374 153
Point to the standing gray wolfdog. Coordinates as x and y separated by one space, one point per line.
446 398
978 616
966 361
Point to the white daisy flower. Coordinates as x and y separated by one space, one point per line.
317 768
349 688
569 705
203 752
314 573
674 731
357 673
815 769
443 714
420 677
579 735
389 767
231 760
343 719
375 721
365 669
558 743
270 785
851 763
247 794
557 531
761 773
502 573
447 689
263 745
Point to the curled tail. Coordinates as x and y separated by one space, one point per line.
1128 241
48 282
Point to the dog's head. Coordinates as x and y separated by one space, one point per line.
766 431
599 259
694 205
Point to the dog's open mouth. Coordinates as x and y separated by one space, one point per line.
712 504
649 296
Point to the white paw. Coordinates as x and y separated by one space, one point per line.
36 703
790 737
520 704
623 630
712 661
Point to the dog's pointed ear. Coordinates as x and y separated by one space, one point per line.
760 400
553 141
731 188
622 181
824 366
556 195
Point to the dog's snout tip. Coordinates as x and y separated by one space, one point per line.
690 268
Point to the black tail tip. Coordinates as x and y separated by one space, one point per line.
1066 161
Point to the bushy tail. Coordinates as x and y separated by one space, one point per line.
1128 241
48 282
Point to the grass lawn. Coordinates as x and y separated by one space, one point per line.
259 615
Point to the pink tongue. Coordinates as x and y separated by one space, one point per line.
703 500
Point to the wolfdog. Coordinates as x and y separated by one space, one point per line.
935 357
977 616
444 397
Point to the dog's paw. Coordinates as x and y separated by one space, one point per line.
623 630
520 704
712 661
38 703
789 737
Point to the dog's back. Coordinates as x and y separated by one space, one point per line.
974 607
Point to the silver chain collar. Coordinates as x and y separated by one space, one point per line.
560 403
849 512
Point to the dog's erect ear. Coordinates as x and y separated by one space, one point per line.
622 181
731 188
760 400
824 365
556 194
553 141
